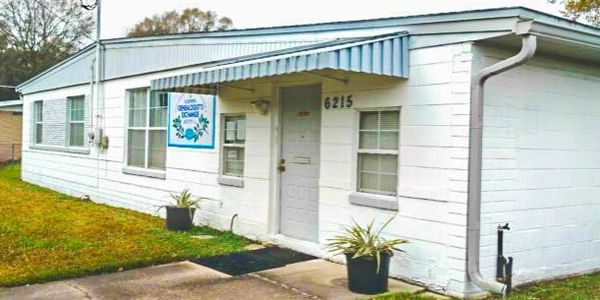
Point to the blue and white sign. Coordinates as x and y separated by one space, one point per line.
192 120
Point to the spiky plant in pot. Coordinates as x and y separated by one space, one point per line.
180 214
367 256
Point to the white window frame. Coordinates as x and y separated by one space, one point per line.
147 129
231 145
37 121
360 151
69 121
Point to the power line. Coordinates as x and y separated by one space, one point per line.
59 17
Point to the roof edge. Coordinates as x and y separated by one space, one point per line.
8 103
456 16
56 66
345 25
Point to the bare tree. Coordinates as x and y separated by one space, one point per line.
36 34
190 20
576 9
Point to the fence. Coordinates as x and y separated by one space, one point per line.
10 153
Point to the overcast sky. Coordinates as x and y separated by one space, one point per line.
119 15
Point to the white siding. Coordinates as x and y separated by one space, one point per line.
433 150
432 162
104 180
541 170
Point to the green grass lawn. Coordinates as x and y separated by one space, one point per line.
401 296
47 236
585 287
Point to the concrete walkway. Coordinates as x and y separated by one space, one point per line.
315 279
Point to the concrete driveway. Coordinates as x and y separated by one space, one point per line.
314 279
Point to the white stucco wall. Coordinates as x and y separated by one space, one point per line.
541 169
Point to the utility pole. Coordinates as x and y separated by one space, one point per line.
98 58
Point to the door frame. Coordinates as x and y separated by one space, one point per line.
277 133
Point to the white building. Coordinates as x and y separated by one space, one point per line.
370 120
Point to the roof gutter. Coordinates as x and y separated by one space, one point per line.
528 48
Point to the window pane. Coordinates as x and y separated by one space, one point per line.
76 109
378 173
158 117
39 111
233 162
138 98
137 108
137 118
389 120
240 135
369 162
76 134
230 131
368 140
158 110
388 183
235 129
368 167
388 164
388 140
38 133
369 120
369 182
136 142
157 152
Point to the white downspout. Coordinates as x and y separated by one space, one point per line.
529 45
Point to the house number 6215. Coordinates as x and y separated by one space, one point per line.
338 102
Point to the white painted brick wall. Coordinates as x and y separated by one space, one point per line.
432 171
433 164
541 167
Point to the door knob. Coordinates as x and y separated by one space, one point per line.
281 167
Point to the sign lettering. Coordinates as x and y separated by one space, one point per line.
191 120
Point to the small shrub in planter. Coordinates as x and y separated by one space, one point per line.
180 215
367 257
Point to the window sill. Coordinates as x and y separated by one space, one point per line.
144 172
374 200
230 181
74 150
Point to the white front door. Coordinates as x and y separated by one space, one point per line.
299 164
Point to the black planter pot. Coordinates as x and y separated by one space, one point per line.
363 277
180 219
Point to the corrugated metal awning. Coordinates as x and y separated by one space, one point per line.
382 55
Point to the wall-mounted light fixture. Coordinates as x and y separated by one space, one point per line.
260 106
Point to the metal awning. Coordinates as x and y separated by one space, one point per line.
385 55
